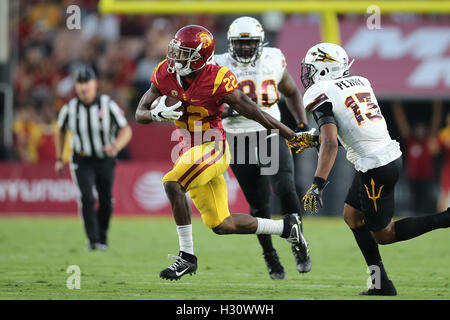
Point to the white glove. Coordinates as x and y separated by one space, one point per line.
162 113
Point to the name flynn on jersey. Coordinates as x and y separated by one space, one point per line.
347 83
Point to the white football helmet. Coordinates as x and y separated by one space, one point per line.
324 61
245 40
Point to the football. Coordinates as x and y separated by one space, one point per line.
170 101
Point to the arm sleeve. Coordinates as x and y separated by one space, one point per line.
324 114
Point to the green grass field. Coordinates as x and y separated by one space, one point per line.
36 252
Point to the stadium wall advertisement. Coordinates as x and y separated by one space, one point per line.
138 189
407 59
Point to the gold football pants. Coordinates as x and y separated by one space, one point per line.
200 171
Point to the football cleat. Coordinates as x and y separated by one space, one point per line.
185 263
293 234
387 289
301 255
101 246
276 270
97 246
292 229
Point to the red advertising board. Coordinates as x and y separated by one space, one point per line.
138 189
401 58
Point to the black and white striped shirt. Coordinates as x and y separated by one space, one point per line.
92 126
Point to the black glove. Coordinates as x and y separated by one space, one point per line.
313 196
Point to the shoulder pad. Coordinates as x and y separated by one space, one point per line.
316 95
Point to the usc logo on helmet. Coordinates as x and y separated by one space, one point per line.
205 39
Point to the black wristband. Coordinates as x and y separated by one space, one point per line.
317 139
302 127
319 182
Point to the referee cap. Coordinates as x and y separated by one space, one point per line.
84 73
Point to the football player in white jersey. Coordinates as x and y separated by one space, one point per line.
346 109
262 75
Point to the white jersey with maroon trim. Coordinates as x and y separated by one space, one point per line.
259 81
362 128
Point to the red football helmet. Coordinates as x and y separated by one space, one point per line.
190 49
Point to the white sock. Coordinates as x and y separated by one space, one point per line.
185 238
269 226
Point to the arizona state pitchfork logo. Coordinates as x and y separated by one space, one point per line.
324 57
372 196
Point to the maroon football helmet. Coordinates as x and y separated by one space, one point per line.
190 49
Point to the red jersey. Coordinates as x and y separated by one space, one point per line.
419 159
200 102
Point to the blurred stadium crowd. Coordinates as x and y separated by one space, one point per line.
124 51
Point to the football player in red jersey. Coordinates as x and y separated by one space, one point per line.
202 88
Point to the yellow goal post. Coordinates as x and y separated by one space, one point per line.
328 9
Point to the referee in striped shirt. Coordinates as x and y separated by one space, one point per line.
99 131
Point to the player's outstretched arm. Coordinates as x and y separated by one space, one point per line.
328 150
246 107
327 155
143 114
294 101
